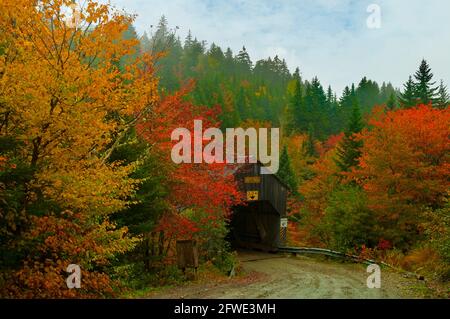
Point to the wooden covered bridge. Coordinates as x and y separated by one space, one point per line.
260 223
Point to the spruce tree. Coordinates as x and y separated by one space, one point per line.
296 104
391 104
408 97
145 43
308 147
243 59
346 98
367 94
349 150
443 99
425 90
330 96
285 172
126 60
316 108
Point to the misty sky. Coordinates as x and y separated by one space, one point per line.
325 38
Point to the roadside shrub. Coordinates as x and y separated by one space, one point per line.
438 232
348 223
211 240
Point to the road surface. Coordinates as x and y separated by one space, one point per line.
284 276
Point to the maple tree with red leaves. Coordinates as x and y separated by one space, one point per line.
402 173
207 188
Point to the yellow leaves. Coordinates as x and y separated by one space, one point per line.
68 101
88 186
64 84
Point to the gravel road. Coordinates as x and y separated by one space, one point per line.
275 276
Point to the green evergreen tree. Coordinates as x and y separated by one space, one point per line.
408 97
296 104
145 43
367 94
330 96
391 104
385 92
443 99
243 60
308 146
316 108
425 90
129 34
349 150
346 99
192 52
285 172
345 109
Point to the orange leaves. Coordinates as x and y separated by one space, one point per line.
43 280
68 100
405 157
67 240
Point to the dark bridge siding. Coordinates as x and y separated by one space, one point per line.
257 224
270 188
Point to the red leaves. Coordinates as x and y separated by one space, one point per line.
204 187
174 111
384 244
176 226
403 169
330 143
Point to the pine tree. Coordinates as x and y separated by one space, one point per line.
408 97
346 98
163 38
145 43
345 108
296 104
308 147
349 150
188 40
316 108
424 88
391 104
384 95
285 172
243 59
443 99
330 95
129 34
368 94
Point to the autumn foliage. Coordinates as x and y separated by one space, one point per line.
71 101
405 159
64 101
404 168
201 187
387 200
86 176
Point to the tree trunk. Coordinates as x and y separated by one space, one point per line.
161 244
147 252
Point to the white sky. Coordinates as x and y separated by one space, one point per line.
324 38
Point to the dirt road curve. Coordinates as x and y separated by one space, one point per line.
298 277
